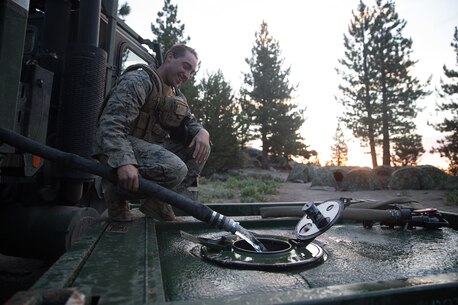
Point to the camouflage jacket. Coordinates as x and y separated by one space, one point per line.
121 109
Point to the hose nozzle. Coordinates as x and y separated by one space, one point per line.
222 222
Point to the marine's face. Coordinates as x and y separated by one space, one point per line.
181 68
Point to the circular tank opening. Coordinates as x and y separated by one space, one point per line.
282 254
272 245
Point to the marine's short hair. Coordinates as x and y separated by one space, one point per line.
179 50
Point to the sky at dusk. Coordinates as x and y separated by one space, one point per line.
310 35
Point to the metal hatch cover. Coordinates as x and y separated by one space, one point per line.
318 219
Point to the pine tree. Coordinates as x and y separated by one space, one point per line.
398 89
448 147
168 28
379 93
340 148
245 133
359 91
216 108
286 140
124 10
267 92
407 150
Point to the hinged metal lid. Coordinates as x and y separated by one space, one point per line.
318 218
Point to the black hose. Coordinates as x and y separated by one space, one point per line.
147 187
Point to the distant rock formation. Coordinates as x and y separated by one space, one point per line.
423 177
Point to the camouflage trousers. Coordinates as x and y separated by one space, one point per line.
168 164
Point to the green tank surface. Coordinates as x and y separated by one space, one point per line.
148 262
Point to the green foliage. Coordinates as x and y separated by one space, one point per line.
168 28
452 197
211 190
358 86
253 188
398 89
216 108
286 140
339 149
244 122
379 92
124 10
448 146
407 150
266 108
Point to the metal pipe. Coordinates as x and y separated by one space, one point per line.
56 26
387 216
89 22
349 213
147 187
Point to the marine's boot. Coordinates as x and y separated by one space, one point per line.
118 208
157 209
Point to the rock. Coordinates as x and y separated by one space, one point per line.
452 183
323 176
339 173
298 174
362 178
424 177
302 173
404 178
432 178
383 173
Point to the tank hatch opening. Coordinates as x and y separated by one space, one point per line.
281 253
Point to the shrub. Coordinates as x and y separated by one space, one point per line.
452 197
250 188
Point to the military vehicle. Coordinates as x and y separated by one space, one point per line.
59 59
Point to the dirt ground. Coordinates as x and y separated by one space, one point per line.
303 192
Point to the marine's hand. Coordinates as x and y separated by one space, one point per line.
202 142
128 177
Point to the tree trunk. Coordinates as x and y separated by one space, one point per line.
265 151
370 127
386 159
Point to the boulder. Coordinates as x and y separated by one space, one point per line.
323 176
432 177
383 173
360 179
298 174
302 173
339 174
405 178
423 177
452 183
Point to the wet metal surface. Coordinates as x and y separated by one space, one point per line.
378 254
355 255
194 278
150 263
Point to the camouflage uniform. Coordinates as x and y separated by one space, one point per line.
165 161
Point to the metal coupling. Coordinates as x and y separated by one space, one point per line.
222 222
